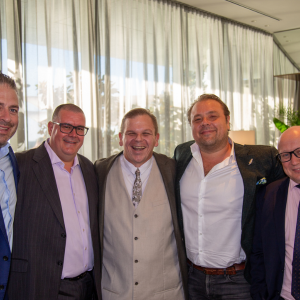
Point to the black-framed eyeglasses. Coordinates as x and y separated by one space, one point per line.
68 128
287 156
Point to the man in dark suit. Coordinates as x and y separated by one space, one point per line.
275 257
56 237
141 248
9 172
216 184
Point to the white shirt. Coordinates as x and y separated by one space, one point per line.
79 255
8 195
128 170
212 211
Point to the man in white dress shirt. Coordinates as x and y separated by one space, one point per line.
142 251
215 187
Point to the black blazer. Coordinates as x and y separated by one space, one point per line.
254 162
39 230
268 254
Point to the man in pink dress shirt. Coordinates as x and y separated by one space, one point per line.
56 238
274 244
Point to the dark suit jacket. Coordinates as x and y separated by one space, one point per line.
39 230
167 169
263 164
268 254
5 254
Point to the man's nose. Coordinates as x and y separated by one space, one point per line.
294 159
73 133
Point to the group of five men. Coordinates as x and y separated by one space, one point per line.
140 225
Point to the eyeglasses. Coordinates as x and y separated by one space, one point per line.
287 156
68 128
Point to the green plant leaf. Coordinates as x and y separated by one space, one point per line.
280 125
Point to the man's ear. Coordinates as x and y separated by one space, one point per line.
120 139
50 127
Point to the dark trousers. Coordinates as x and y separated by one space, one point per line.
217 287
81 289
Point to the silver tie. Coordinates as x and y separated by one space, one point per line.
137 188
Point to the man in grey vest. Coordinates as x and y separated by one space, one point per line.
142 251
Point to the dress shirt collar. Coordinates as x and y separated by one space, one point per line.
55 159
131 168
4 150
197 154
293 184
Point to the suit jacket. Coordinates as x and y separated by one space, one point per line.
39 230
268 255
4 244
254 162
167 171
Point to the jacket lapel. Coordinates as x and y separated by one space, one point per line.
168 180
45 176
280 199
102 177
247 167
185 158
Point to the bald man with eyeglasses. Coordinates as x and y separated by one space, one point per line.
56 239
276 246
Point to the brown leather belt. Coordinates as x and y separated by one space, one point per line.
213 271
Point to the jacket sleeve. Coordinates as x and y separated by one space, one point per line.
258 286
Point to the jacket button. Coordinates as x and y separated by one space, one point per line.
5 258
60 263
1 287
135 215
136 261
136 238
136 283
63 235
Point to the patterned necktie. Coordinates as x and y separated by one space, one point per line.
137 188
296 259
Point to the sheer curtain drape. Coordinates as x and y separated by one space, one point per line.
108 56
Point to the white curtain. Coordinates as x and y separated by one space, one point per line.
286 91
109 56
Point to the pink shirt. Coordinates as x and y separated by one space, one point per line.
291 214
79 256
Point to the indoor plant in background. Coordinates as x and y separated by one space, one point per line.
286 117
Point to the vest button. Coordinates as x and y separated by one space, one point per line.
136 283
5 258
136 261
63 235
1 287
135 215
60 263
136 238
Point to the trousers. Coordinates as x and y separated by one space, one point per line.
217 287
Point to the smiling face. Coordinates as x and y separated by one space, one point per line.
138 139
289 141
209 125
9 108
66 145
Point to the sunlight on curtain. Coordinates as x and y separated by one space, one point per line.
109 56
284 89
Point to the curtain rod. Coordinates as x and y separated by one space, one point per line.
199 10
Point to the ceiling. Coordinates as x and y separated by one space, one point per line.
286 31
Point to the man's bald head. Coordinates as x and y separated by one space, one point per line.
289 150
